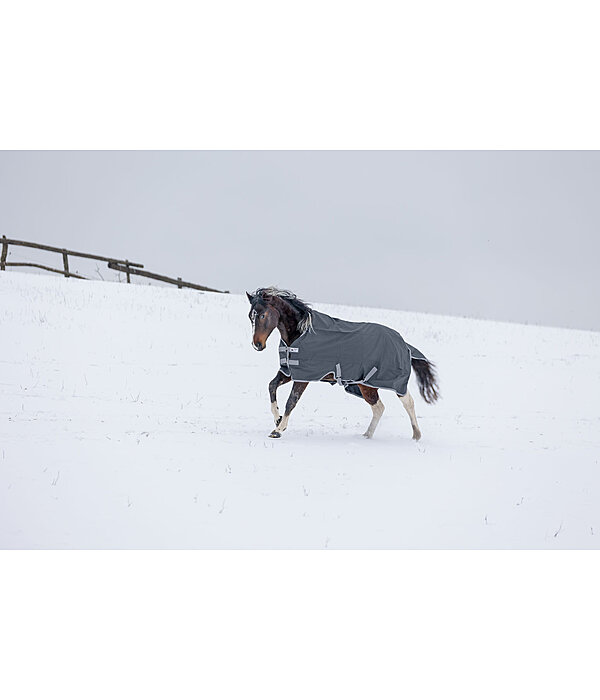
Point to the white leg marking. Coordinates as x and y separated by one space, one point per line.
275 412
409 405
378 410
284 422
276 433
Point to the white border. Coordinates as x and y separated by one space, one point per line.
298 625
327 74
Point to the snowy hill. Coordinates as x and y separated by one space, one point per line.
137 417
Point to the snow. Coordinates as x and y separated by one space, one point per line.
137 417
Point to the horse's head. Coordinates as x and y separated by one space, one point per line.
264 318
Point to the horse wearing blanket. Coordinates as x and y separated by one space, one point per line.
361 357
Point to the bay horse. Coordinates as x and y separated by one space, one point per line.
272 308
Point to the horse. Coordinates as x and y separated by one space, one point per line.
295 320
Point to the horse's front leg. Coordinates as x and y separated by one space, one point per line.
294 397
279 379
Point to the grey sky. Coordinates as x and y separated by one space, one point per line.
510 235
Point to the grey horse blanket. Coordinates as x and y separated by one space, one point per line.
355 353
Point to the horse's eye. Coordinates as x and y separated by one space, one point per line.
262 315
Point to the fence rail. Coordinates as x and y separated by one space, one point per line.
126 266
170 280
44 267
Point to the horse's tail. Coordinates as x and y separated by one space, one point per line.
426 376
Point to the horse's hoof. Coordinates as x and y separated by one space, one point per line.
366 435
275 434
416 437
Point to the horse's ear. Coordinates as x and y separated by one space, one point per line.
250 297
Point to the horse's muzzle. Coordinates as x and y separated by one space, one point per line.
258 346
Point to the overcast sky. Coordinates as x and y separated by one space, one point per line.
509 235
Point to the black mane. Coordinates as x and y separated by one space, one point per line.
262 294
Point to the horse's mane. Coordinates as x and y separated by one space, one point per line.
262 294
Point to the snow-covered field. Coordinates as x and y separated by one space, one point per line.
137 417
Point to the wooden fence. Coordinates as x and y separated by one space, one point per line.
126 266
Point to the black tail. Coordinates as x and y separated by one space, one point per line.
427 379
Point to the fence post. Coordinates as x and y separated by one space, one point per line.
127 271
66 262
179 285
4 253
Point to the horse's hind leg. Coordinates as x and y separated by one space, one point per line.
279 379
409 405
371 396
294 397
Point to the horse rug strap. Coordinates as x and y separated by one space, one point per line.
355 353
285 360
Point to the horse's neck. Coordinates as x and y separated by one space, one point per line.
289 320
